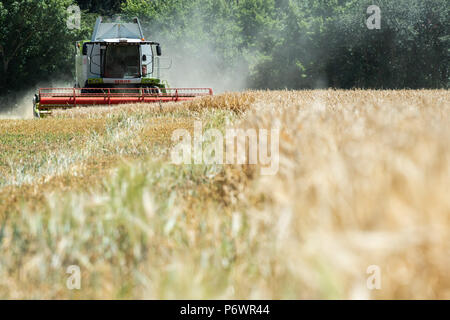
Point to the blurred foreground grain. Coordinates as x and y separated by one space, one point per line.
363 180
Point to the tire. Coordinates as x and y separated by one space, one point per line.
92 90
152 90
35 101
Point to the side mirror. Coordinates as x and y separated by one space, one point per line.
158 50
144 58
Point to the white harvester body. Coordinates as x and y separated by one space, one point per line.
117 55
117 66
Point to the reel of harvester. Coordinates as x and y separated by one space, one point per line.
48 99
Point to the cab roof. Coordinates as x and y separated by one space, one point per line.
118 30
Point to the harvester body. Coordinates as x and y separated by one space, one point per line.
117 55
116 66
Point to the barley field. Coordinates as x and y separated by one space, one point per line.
363 182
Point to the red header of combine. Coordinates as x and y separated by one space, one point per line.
62 98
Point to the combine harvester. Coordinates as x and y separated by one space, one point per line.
118 66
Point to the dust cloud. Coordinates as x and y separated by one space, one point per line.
203 70
19 105
197 60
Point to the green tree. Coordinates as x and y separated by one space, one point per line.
104 7
408 51
35 42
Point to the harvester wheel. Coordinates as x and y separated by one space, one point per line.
35 111
92 90
152 90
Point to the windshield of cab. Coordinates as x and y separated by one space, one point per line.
122 61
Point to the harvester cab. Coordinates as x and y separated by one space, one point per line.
117 66
118 56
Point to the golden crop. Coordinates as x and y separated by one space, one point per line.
363 180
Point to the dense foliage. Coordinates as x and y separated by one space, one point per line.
309 43
35 42
269 43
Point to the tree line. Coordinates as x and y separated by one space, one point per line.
273 43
